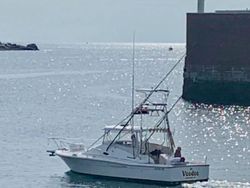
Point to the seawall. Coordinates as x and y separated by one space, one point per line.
217 65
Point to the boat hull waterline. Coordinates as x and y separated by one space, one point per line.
149 172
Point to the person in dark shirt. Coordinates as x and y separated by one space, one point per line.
177 152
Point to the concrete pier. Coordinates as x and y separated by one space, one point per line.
217 66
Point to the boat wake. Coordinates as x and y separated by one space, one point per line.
216 184
71 179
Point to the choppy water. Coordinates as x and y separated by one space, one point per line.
75 90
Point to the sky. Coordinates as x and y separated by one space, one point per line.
80 21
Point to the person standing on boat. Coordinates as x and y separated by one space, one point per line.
178 154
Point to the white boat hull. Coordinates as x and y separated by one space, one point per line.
145 172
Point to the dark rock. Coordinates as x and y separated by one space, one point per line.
10 46
32 46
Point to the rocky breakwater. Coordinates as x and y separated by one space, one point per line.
10 46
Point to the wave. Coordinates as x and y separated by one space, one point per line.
41 74
216 184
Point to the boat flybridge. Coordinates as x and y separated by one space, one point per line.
140 147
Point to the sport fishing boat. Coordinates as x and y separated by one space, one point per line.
134 151
140 147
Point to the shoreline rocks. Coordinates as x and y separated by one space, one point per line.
10 46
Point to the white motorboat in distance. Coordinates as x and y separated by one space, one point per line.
140 147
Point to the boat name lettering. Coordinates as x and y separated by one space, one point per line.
190 173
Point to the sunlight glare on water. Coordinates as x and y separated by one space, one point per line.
73 91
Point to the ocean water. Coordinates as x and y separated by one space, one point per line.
74 90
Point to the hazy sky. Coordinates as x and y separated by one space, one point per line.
70 21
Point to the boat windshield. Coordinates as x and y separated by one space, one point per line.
124 137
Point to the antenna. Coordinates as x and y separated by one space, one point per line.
133 95
133 73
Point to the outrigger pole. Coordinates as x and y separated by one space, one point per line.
131 116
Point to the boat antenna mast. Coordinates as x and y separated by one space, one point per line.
133 77
133 94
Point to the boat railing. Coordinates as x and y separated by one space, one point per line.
66 144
